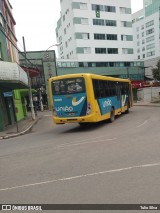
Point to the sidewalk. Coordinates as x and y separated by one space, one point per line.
21 128
145 103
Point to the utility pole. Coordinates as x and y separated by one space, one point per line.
29 83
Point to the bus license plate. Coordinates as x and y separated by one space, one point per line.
71 113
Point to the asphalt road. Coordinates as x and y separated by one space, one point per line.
116 163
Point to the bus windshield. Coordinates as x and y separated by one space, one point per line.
68 86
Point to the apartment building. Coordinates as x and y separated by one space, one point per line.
96 31
8 51
12 76
146 31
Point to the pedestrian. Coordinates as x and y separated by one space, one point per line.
35 104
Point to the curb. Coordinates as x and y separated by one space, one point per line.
20 133
146 105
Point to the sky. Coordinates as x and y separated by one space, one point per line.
36 20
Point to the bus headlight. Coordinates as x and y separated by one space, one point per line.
89 109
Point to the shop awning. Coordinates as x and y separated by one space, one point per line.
12 76
33 72
25 92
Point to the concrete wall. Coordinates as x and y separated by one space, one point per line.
149 94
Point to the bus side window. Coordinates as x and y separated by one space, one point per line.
107 91
96 88
102 88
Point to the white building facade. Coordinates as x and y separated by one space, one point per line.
146 31
95 30
96 36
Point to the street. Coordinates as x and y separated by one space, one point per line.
106 163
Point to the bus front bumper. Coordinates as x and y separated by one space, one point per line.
84 119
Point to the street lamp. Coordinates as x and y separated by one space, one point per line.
49 66
54 45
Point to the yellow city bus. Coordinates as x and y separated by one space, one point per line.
87 98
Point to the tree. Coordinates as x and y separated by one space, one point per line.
156 71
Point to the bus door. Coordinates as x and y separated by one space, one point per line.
119 99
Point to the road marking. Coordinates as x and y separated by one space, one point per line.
77 144
145 122
83 176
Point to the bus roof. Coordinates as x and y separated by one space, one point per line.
94 76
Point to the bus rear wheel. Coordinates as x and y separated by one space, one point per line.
83 124
112 116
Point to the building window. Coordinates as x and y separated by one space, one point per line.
63 17
142 34
150 46
110 9
85 36
150 23
99 36
138 36
112 50
124 37
98 22
126 24
152 53
60 38
100 50
65 31
139 57
143 55
66 44
143 49
111 23
151 38
97 7
124 10
127 51
83 6
138 50
111 37
150 31
84 20
87 50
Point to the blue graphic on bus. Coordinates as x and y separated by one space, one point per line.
105 104
72 105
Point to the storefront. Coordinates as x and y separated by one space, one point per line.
12 78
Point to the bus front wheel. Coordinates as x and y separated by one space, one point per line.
112 115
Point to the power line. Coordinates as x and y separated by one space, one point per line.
15 46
